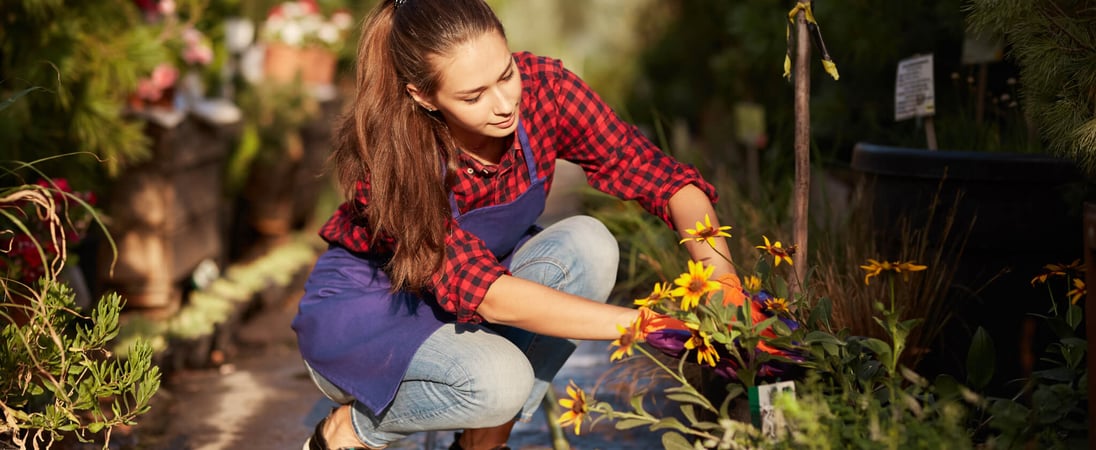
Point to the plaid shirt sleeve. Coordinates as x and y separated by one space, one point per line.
617 158
468 271
460 285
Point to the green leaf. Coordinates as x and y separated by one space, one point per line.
1074 315
820 313
669 422
981 358
637 404
95 427
627 424
687 398
689 412
1060 374
946 387
821 337
880 348
675 441
1074 342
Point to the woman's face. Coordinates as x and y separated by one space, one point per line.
478 91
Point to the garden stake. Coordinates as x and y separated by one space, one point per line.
802 138
806 28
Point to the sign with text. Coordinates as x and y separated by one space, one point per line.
763 411
914 94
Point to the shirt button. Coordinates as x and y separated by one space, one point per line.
471 171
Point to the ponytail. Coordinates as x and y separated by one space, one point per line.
388 143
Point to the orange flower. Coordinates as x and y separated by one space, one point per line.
649 321
576 407
778 251
732 289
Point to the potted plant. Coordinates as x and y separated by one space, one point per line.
303 43
60 377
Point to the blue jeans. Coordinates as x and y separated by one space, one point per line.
479 376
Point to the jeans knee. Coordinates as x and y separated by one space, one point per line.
598 256
599 246
501 384
577 255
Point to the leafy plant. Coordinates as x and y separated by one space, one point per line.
89 55
1050 409
58 376
857 394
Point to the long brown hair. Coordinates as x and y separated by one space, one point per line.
395 146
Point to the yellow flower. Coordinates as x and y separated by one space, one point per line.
875 268
694 284
777 305
705 232
660 292
1050 270
576 407
752 283
628 337
778 251
702 343
1079 290
905 268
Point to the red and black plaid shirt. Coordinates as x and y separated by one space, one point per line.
564 119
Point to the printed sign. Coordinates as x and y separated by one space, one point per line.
914 94
763 411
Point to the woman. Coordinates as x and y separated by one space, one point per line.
440 305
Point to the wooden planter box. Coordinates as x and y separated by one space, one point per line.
168 214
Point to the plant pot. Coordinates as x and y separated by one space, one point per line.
1022 211
284 64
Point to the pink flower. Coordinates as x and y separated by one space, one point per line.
164 76
148 91
198 54
167 7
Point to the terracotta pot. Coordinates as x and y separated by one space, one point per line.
284 63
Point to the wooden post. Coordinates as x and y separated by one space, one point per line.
802 145
1089 226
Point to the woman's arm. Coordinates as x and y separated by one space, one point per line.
688 206
540 309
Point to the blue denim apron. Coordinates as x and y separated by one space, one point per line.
361 337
